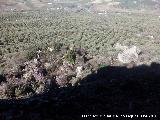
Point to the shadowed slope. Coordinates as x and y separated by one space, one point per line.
112 90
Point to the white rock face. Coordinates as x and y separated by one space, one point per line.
79 71
128 55
50 49
35 61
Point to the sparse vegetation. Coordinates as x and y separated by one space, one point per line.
37 75
70 56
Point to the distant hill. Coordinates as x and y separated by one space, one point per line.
130 4
122 4
102 4
140 4
22 4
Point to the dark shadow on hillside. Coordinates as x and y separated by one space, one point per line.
112 90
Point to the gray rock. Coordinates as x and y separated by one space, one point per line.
128 55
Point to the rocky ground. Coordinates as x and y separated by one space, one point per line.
39 70
67 82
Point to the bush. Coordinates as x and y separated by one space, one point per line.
57 46
31 54
70 56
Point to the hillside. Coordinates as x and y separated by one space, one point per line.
64 58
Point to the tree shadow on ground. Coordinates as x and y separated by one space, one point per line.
111 90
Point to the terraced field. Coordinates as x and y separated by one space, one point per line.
98 33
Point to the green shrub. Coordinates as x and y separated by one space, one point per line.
30 55
57 46
102 66
70 56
